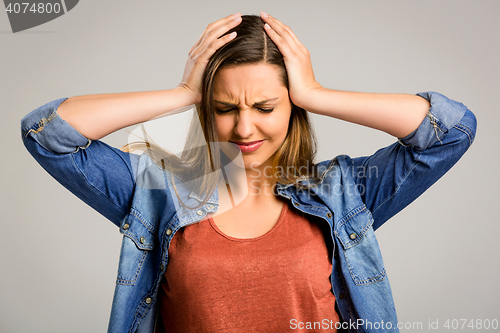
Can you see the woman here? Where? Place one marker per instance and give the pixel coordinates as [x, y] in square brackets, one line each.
[274, 241]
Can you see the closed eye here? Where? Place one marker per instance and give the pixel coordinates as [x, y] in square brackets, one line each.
[257, 105]
[266, 110]
[223, 111]
[219, 111]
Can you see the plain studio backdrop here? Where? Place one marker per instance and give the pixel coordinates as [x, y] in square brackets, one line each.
[59, 258]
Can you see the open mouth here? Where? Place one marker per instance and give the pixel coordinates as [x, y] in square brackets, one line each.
[248, 147]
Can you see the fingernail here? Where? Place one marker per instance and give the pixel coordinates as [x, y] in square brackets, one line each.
[235, 16]
[267, 26]
[264, 14]
[232, 34]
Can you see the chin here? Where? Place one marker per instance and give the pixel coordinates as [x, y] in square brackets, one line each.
[231, 155]
[247, 164]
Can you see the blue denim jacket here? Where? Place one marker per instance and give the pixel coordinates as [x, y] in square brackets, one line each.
[355, 196]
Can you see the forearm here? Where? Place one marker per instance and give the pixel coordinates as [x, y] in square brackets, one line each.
[395, 114]
[96, 116]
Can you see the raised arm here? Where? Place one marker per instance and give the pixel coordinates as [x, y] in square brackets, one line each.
[62, 135]
[433, 131]
[96, 116]
[396, 114]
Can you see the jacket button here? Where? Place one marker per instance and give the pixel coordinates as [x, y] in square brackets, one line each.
[211, 207]
[148, 300]
[353, 236]
[142, 240]
[168, 232]
[125, 226]
[200, 212]
[297, 204]
[342, 296]
[329, 215]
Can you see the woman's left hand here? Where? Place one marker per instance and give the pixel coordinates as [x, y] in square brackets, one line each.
[297, 61]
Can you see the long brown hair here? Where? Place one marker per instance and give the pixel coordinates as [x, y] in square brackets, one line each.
[202, 156]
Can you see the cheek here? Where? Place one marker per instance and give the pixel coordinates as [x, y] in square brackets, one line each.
[282, 127]
[276, 127]
[221, 127]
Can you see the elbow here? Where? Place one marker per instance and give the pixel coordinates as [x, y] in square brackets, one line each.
[468, 125]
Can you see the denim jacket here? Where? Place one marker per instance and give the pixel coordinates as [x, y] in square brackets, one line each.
[354, 196]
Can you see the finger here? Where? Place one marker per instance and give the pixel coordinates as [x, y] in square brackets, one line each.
[214, 33]
[210, 48]
[282, 45]
[282, 29]
[211, 43]
[215, 28]
[214, 24]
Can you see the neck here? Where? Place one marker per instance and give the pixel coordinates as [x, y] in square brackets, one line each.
[252, 183]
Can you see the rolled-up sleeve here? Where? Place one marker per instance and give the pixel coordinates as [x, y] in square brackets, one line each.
[50, 131]
[100, 175]
[443, 114]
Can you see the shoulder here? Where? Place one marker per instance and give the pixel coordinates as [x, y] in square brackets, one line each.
[339, 165]
[327, 172]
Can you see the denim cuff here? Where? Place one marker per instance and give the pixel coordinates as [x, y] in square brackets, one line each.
[443, 114]
[52, 132]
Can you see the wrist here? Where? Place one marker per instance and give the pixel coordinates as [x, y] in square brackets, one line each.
[187, 96]
[312, 97]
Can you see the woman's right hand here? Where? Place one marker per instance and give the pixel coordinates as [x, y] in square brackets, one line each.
[96, 116]
[209, 42]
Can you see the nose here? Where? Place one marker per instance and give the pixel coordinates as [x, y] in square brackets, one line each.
[244, 124]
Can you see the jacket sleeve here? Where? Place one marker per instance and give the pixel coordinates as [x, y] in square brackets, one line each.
[394, 176]
[100, 175]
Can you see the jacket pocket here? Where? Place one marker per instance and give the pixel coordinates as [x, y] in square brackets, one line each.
[360, 247]
[138, 241]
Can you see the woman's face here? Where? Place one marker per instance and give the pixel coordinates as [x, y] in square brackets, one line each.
[252, 112]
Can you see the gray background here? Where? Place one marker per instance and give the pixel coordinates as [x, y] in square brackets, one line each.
[59, 258]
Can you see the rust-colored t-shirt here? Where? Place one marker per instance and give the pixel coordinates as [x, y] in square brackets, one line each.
[277, 282]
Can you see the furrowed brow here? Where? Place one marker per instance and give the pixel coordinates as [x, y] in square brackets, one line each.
[257, 103]
[267, 100]
[226, 104]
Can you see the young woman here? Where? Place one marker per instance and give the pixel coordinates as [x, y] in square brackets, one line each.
[248, 233]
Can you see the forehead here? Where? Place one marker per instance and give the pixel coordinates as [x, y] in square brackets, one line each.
[249, 80]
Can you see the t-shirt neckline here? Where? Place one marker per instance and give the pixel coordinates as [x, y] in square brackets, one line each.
[284, 209]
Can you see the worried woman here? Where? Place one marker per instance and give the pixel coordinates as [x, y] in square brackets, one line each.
[246, 231]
